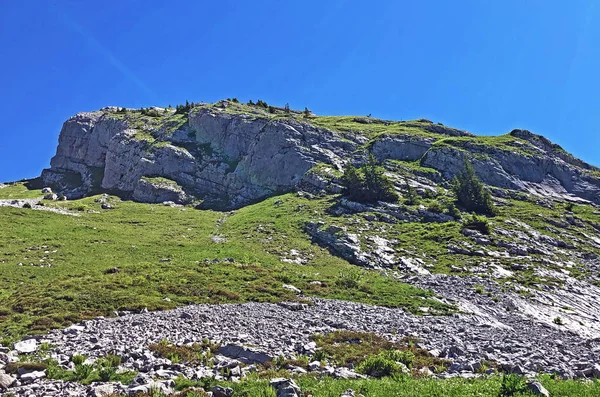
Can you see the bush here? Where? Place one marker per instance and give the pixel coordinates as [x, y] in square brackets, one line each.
[78, 359]
[470, 192]
[477, 222]
[405, 357]
[453, 211]
[435, 207]
[368, 184]
[512, 385]
[107, 373]
[379, 366]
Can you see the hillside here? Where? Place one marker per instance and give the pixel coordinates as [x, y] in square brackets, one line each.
[233, 220]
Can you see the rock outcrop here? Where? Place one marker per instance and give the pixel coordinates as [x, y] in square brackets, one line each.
[230, 158]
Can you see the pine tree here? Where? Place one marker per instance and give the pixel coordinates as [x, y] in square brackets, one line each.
[353, 183]
[471, 193]
[368, 184]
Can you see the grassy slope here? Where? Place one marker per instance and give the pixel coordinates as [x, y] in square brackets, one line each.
[414, 387]
[170, 252]
[167, 252]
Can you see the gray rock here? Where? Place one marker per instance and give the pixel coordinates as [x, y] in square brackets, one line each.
[245, 354]
[6, 381]
[285, 387]
[537, 389]
[31, 376]
[26, 346]
[220, 391]
[102, 390]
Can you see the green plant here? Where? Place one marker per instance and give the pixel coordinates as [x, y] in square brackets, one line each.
[368, 183]
[477, 222]
[435, 207]
[379, 366]
[471, 193]
[453, 211]
[405, 357]
[558, 321]
[320, 355]
[83, 371]
[78, 359]
[511, 385]
[349, 279]
[106, 373]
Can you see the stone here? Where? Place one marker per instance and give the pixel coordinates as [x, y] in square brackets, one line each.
[103, 390]
[537, 389]
[245, 354]
[31, 376]
[596, 371]
[26, 346]
[47, 190]
[292, 288]
[220, 391]
[51, 196]
[345, 373]
[285, 387]
[6, 381]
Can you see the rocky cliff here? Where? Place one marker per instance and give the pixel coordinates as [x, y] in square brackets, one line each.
[229, 154]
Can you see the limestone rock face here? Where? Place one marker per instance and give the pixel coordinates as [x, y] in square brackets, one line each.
[152, 191]
[401, 148]
[233, 158]
[230, 159]
[544, 174]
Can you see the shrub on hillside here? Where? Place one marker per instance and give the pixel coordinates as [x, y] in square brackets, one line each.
[477, 222]
[471, 193]
[368, 183]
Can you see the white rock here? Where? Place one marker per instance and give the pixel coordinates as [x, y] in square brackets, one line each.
[26, 346]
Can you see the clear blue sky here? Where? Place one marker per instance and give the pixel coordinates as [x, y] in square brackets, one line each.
[484, 66]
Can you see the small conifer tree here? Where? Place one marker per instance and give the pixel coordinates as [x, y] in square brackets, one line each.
[471, 193]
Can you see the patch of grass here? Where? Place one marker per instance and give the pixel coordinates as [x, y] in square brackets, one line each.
[194, 354]
[350, 347]
[81, 251]
[19, 190]
[405, 386]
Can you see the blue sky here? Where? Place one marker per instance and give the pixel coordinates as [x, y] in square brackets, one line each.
[483, 66]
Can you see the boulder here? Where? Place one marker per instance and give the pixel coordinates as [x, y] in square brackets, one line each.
[158, 190]
[6, 381]
[285, 387]
[26, 346]
[537, 389]
[245, 354]
[220, 391]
